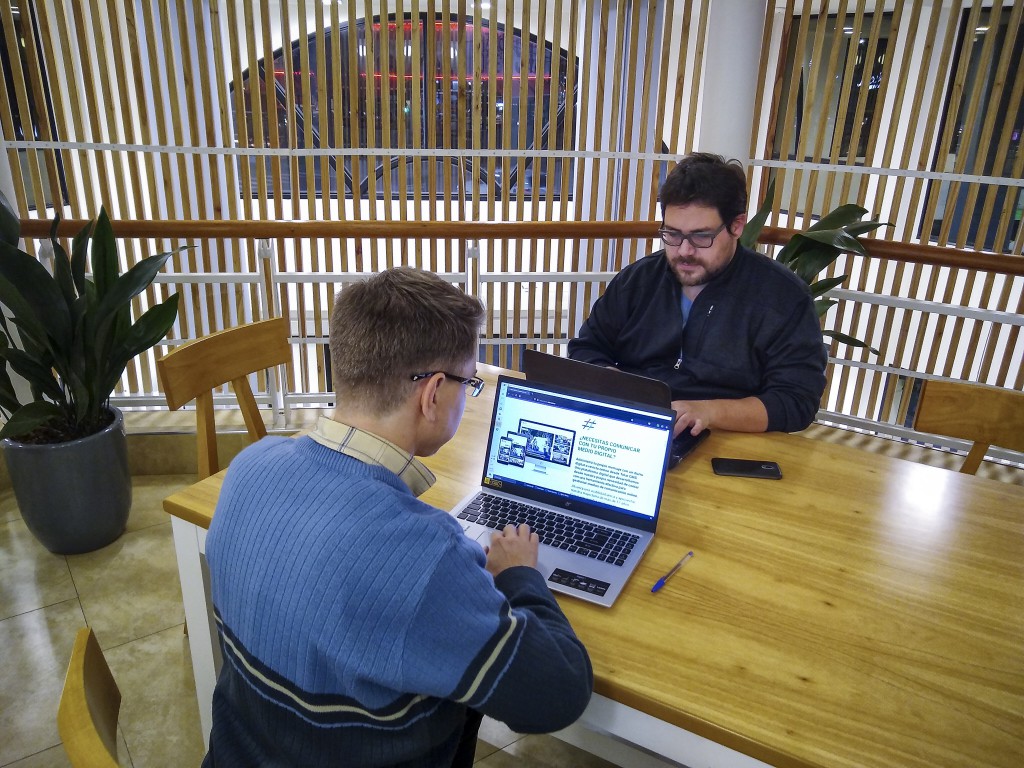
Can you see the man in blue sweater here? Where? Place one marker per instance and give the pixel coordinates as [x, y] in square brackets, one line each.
[358, 625]
[732, 332]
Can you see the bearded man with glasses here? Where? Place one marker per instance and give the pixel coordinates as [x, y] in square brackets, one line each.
[358, 624]
[732, 332]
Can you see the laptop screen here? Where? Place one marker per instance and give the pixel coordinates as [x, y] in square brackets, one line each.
[587, 453]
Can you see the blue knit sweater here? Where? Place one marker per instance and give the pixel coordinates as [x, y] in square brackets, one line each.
[358, 623]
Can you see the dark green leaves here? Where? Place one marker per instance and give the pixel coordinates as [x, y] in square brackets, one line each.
[74, 335]
[814, 250]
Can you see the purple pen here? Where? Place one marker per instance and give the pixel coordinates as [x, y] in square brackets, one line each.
[661, 582]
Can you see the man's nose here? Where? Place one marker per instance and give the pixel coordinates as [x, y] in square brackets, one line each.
[686, 248]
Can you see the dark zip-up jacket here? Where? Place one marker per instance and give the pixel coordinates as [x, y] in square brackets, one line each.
[752, 331]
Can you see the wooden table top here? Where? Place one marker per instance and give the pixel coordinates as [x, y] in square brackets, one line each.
[861, 611]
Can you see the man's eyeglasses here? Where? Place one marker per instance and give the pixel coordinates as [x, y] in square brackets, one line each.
[473, 385]
[674, 237]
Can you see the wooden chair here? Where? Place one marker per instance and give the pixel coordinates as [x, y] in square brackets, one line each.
[987, 415]
[89, 704]
[194, 370]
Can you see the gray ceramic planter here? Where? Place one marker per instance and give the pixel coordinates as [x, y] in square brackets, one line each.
[74, 496]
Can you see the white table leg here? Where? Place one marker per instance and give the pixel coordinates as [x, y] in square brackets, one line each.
[189, 544]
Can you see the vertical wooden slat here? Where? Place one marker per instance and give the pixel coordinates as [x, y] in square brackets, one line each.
[960, 165]
[418, 31]
[494, 95]
[181, 191]
[988, 135]
[19, 77]
[821, 129]
[536, 245]
[400, 116]
[644, 196]
[160, 166]
[863, 93]
[613, 118]
[261, 109]
[682, 56]
[525, 25]
[371, 131]
[551, 323]
[445, 140]
[954, 99]
[857, 310]
[387, 158]
[241, 119]
[791, 103]
[497, 293]
[53, 29]
[135, 199]
[230, 251]
[476, 115]
[34, 83]
[104, 102]
[13, 159]
[987, 138]
[629, 168]
[521, 256]
[907, 348]
[358, 131]
[844, 103]
[564, 306]
[972, 97]
[433, 73]
[586, 169]
[322, 249]
[879, 318]
[696, 77]
[190, 94]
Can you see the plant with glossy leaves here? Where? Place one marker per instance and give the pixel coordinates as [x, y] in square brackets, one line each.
[810, 252]
[74, 334]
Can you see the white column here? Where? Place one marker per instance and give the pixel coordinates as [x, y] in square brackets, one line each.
[732, 53]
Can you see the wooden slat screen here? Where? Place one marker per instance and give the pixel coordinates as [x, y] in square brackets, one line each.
[528, 110]
[912, 110]
[155, 90]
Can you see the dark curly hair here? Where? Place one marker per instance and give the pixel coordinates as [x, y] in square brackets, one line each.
[707, 179]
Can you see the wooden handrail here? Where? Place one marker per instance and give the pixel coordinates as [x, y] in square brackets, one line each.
[489, 230]
[456, 230]
[915, 253]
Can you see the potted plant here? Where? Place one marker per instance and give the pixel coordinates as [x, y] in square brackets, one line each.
[69, 336]
[810, 252]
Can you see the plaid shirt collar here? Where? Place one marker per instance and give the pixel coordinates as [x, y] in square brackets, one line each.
[370, 449]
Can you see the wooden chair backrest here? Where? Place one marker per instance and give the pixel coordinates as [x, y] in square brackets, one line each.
[194, 370]
[987, 415]
[89, 705]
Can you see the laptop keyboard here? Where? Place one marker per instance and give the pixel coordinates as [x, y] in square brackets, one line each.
[554, 529]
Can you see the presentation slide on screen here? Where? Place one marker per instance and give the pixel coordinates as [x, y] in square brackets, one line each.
[596, 457]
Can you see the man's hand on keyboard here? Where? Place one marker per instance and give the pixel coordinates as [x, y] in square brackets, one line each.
[511, 547]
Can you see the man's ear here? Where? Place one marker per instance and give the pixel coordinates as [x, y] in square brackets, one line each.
[428, 396]
[736, 228]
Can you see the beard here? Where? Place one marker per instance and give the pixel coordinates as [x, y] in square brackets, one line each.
[700, 276]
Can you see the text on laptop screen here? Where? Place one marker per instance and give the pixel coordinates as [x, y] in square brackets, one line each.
[576, 448]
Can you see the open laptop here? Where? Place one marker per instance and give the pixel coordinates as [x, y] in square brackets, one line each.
[585, 471]
[553, 369]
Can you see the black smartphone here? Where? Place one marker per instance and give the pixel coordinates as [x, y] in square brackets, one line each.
[767, 470]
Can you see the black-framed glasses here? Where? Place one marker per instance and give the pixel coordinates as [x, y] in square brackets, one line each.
[674, 237]
[473, 385]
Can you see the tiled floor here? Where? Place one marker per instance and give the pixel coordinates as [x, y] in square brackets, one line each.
[128, 592]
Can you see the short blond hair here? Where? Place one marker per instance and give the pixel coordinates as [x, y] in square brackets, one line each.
[397, 323]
